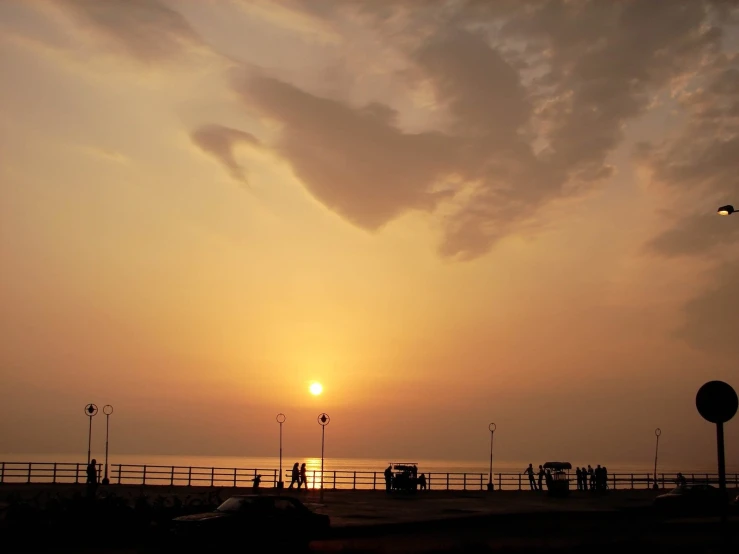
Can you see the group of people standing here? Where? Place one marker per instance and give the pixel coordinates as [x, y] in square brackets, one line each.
[542, 474]
[587, 478]
[593, 479]
[299, 476]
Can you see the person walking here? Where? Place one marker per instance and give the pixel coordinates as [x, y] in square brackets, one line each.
[303, 478]
[295, 476]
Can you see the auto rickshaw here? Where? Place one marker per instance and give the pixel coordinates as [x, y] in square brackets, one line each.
[405, 477]
[558, 483]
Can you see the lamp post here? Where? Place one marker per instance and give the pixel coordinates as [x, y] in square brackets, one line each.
[726, 210]
[657, 433]
[107, 410]
[323, 420]
[90, 411]
[490, 474]
[280, 419]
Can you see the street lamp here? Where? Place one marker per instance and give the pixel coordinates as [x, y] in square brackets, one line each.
[726, 210]
[107, 410]
[657, 433]
[490, 478]
[90, 411]
[280, 419]
[323, 420]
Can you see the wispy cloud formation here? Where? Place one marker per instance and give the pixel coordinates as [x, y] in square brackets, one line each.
[148, 30]
[219, 142]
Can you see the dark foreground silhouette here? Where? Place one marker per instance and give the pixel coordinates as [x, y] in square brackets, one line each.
[141, 523]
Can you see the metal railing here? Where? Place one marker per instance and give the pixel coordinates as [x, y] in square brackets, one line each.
[126, 474]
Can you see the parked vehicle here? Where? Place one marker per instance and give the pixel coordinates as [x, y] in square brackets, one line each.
[691, 499]
[279, 520]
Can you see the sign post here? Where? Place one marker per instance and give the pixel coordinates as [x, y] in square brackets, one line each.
[90, 411]
[717, 403]
[323, 420]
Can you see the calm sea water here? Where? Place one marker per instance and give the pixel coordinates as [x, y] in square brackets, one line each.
[343, 464]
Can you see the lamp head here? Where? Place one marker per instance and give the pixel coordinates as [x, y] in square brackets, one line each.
[726, 210]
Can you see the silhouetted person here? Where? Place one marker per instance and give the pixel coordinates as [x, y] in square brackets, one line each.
[92, 478]
[579, 478]
[422, 482]
[541, 476]
[295, 476]
[389, 478]
[591, 475]
[530, 472]
[303, 478]
[605, 478]
[681, 480]
[257, 480]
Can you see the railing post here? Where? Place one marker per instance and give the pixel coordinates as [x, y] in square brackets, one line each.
[274, 478]
[519, 481]
[499, 481]
[171, 477]
[663, 480]
[119, 474]
[632, 481]
[334, 479]
[53, 476]
[76, 473]
[189, 476]
[447, 481]
[614, 481]
[464, 481]
[374, 480]
[234, 477]
[2, 473]
[30, 466]
[491, 478]
[213, 475]
[314, 479]
[143, 481]
[354, 484]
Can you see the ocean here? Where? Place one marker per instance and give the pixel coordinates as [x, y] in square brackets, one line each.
[347, 464]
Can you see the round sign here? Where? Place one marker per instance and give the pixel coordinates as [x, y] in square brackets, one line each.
[91, 410]
[323, 420]
[107, 409]
[280, 418]
[492, 427]
[716, 402]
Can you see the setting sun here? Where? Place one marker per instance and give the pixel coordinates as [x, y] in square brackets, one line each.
[316, 389]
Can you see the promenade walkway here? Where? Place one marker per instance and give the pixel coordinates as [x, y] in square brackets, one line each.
[349, 508]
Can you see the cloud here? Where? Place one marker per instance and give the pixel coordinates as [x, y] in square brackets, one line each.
[537, 95]
[713, 316]
[219, 141]
[356, 161]
[698, 166]
[147, 30]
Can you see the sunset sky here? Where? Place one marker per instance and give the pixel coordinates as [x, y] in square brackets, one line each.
[446, 212]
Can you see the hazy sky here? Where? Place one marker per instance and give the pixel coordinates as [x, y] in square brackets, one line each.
[447, 212]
